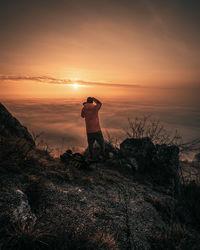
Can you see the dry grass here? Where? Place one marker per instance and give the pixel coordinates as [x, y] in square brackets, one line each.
[191, 198]
[176, 237]
[74, 235]
[30, 235]
[69, 232]
[164, 208]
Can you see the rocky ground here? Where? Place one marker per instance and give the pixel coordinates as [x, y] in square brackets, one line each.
[136, 199]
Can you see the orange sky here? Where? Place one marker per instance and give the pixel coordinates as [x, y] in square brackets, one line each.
[146, 44]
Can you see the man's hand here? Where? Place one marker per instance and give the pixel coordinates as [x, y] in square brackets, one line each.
[96, 101]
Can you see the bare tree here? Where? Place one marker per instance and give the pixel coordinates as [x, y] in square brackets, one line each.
[112, 140]
[146, 126]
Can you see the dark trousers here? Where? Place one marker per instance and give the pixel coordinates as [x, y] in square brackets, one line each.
[92, 137]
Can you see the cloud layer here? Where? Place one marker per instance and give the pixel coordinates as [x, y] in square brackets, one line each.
[52, 80]
[63, 127]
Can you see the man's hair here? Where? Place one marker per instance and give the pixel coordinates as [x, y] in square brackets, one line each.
[90, 100]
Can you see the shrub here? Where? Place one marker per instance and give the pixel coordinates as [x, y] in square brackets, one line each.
[84, 239]
[71, 236]
[29, 235]
[14, 154]
[146, 126]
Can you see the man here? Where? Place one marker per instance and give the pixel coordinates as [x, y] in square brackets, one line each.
[90, 113]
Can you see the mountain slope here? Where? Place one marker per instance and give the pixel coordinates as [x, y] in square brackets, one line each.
[48, 204]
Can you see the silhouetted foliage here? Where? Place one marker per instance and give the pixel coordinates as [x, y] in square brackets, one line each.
[146, 126]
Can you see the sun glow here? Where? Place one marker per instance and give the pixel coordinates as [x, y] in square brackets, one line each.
[75, 85]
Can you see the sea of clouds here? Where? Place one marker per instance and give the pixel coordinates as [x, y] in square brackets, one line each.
[62, 127]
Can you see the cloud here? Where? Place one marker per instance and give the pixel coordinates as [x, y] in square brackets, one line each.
[61, 121]
[52, 80]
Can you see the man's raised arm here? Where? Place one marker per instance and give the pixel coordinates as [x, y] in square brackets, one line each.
[82, 113]
[98, 103]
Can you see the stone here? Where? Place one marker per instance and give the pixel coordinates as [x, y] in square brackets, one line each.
[166, 164]
[167, 157]
[139, 149]
[110, 155]
[10, 127]
[132, 161]
[21, 208]
[161, 162]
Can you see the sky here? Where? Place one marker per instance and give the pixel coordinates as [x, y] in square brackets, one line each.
[144, 52]
[147, 43]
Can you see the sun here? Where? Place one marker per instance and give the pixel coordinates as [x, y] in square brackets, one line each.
[75, 85]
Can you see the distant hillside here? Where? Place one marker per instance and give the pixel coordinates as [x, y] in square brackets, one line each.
[136, 199]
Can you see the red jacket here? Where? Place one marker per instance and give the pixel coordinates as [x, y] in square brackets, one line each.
[90, 113]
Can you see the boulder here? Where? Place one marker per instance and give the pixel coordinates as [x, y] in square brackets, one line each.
[10, 127]
[130, 163]
[167, 157]
[160, 162]
[21, 208]
[165, 166]
[139, 149]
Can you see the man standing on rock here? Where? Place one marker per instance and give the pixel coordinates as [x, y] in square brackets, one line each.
[93, 129]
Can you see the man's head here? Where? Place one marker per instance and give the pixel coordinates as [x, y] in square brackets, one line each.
[89, 100]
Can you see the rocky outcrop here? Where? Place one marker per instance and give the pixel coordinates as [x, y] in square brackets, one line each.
[165, 163]
[159, 161]
[10, 127]
[124, 209]
[140, 149]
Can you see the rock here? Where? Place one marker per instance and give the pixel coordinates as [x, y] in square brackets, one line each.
[165, 166]
[161, 162]
[130, 163]
[166, 158]
[21, 208]
[110, 155]
[136, 147]
[10, 127]
[133, 163]
[167, 153]
[139, 149]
